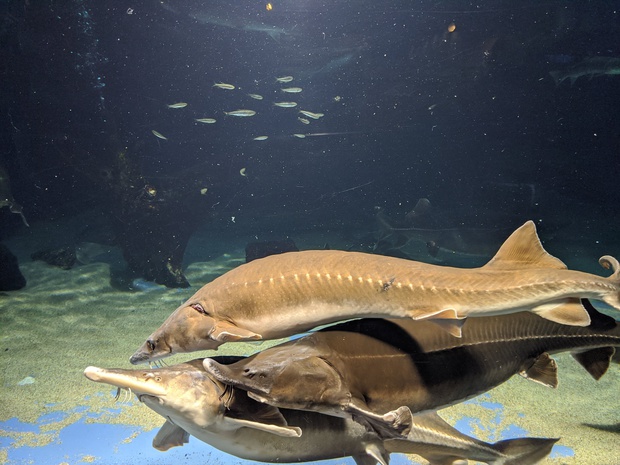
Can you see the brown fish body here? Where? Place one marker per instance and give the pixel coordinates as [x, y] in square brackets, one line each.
[377, 366]
[193, 403]
[282, 295]
[323, 286]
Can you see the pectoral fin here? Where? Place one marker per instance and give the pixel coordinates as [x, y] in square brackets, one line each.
[544, 371]
[248, 409]
[228, 332]
[394, 424]
[170, 435]
[284, 431]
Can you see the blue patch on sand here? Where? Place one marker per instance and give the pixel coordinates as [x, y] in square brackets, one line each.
[111, 444]
[468, 425]
[561, 451]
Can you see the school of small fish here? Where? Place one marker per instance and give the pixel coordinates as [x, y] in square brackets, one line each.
[303, 116]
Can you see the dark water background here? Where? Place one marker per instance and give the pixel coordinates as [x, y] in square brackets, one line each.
[470, 119]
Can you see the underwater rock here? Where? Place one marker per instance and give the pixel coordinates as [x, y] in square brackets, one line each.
[263, 249]
[11, 278]
[153, 249]
[152, 224]
[126, 280]
[63, 257]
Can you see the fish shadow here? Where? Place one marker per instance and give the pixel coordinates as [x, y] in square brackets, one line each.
[608, 428]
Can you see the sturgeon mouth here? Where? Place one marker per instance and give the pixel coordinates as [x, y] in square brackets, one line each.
[151, 351]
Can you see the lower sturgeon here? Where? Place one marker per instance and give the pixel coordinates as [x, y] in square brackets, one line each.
[196, 404]
[282, 295]
[369, 369]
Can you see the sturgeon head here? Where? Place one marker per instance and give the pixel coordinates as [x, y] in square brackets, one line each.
[194, 403]
[296, 375]
[192, 326]
[180, 391]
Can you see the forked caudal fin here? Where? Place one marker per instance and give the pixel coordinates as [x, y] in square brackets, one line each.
[441, 444]
[523, 451]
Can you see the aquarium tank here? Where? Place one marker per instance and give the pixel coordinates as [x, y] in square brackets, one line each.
[290, 231]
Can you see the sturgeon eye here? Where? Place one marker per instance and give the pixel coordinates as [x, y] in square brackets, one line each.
[151, 345]
[199, 308]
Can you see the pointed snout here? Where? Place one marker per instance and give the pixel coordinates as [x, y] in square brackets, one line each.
[154, 348]
[139, 381]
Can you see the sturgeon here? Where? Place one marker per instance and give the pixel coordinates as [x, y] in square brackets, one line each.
[224, 417]
[282, 295]
[369, 369]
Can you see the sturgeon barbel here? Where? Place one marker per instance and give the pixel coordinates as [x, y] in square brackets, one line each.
[282, 295]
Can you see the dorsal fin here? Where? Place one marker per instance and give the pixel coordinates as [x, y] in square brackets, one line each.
[524, 250]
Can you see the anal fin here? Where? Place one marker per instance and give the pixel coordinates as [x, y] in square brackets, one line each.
[595, 361]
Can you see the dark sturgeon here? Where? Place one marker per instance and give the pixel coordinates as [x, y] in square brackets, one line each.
[282, 295]
[368, 369]
[226, 418]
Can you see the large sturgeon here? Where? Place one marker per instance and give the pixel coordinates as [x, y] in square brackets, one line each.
[369, 369]
[226, 418]
[282, 295]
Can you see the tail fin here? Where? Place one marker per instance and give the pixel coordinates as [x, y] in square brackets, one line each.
[523, 451]
[557, 77]
[441, 444]
[609, 262]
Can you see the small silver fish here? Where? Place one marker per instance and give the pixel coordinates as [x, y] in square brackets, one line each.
[159, 135]
[261, 138]
[177, 105]
[223, 85]
[309, 114]
[256, 96]
[240, 113]
[285, 104]
[205, 120]
[299, 136]
[292, 90]
[304, 120]
[285, 79]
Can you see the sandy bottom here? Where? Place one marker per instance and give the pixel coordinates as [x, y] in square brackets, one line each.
[64, 321]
